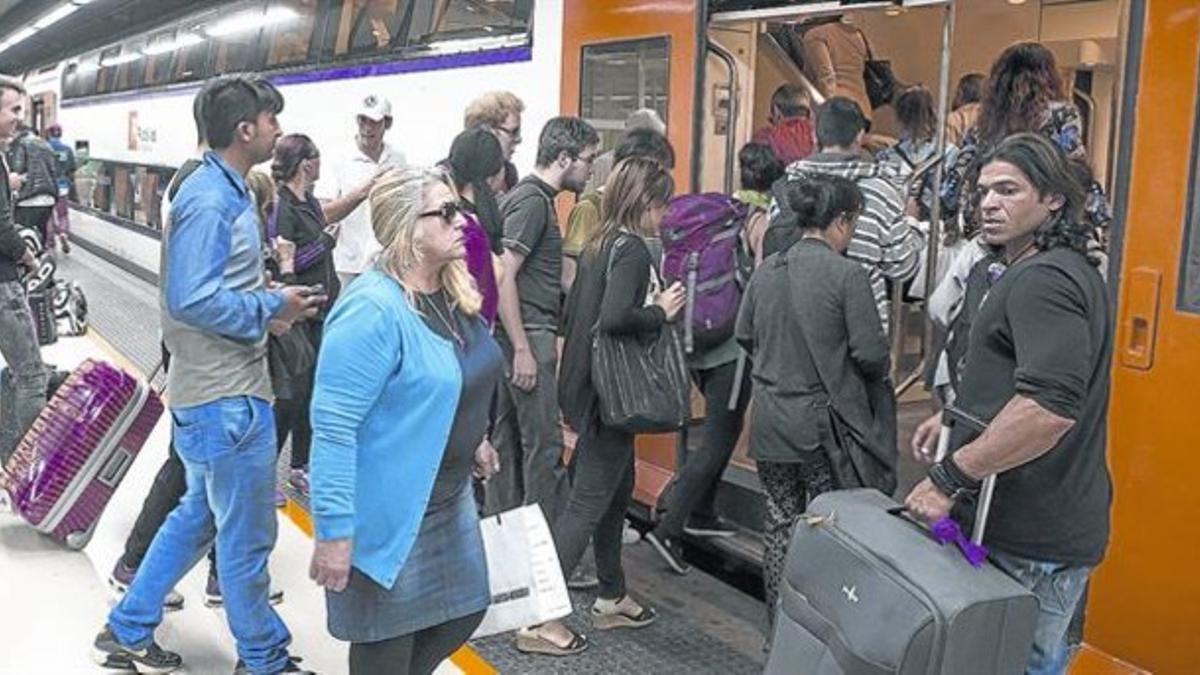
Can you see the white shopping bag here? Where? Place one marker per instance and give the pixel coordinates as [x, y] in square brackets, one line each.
[524, 574]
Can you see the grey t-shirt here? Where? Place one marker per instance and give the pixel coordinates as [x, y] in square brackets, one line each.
[531, 229]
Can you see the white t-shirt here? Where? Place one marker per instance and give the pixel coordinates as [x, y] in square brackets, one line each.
[356, 244]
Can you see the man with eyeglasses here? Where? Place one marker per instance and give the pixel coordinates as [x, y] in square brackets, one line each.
[500, 112]
[527, 432]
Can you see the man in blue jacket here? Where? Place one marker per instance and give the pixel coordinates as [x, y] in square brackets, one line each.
[215, 313]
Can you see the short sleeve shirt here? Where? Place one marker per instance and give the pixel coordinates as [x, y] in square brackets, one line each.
[531, 229]
[356, 244]
[1042, 332]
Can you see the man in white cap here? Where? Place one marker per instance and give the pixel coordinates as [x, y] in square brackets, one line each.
[343, 197]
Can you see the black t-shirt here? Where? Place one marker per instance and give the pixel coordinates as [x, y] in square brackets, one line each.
[301, 221]
[531, 229]
[1043, 332]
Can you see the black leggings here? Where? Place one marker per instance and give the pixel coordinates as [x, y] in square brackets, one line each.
[416, 653]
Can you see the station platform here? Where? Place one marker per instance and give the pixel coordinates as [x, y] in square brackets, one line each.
[55, 600]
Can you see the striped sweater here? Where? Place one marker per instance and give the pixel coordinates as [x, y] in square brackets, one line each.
[886, 242]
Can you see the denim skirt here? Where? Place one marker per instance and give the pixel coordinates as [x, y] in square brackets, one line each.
[444, 578]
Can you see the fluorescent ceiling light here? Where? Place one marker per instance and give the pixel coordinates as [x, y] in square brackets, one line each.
[247, 21]
[19, 36]
[184, 40]
[118, 60]
[55, 16]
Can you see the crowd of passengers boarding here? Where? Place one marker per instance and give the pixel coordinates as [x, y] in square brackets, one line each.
[401, 325]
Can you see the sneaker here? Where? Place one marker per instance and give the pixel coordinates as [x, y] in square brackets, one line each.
[66, 244]
[630, 535]
[582, 581]
[298, 479]
[122, 576]
[108, 653]
[213, 599]
[714, 526]
[670, 551]
[291, 667]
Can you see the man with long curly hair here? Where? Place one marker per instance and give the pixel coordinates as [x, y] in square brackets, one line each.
[1032, 405]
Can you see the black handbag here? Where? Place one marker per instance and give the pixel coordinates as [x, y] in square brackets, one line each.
[641, 381]
[878, 77]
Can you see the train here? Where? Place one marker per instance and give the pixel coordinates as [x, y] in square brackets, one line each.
[708, 67]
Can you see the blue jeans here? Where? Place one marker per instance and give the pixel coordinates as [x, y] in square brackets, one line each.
[1058, 589]
[228, 452]
[23, 356]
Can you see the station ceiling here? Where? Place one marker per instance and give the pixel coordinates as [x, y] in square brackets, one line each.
[94, 25]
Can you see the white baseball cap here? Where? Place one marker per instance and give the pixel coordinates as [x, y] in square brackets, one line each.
[375, 107]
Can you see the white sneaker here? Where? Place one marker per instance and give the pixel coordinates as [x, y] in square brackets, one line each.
[630, 535]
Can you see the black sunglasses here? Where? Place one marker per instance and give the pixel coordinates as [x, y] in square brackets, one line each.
[446, 211]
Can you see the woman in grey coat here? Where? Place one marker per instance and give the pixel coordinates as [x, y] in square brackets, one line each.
[823, 416]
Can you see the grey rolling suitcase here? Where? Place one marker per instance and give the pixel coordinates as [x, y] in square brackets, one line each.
[866, 592]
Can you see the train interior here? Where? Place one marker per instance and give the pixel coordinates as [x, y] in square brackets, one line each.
[1086, 37]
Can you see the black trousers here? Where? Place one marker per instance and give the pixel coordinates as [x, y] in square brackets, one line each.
[695, 489]
[291, 414]
[790, 487]
[416, 653]
[168, 488]
[601, 490]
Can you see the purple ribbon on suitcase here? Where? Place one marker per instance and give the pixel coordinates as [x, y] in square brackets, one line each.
[70, 462]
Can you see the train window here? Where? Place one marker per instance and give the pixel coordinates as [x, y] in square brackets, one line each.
[471, 18]
[235, 44]
[107, 78]
[374, 26]
[189, 61]
[160, 50]
[1189, 291]
[291, 42]
[133, 69]
[79, 78]
[619, 78]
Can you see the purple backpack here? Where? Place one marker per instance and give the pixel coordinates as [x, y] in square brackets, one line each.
[703, 249]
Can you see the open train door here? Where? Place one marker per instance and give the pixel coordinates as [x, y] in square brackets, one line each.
[1144, 605]
[620, 56]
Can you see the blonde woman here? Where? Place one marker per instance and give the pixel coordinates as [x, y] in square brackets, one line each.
[405, 376]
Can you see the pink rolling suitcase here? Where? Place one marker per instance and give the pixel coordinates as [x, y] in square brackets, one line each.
[68, 465]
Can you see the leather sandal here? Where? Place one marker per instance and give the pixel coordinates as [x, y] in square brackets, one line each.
[529, 641]
[622, 619]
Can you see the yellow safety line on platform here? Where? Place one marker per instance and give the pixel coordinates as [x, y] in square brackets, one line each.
[466, 659]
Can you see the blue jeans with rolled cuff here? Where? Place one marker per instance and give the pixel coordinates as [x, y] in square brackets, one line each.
[228, 452]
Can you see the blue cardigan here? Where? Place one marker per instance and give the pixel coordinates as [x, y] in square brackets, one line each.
[386, 392]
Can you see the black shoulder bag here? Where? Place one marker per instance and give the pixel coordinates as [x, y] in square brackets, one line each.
[642, 384]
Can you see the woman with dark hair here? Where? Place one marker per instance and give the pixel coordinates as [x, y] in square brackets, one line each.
[615, 292]
[476, 165]
[298, 219]
[1024, 93]
[918, 144]
[820, 357]
[966, 107]
[759, 168]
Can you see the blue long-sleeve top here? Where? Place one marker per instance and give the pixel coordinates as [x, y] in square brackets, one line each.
[386, 392]
[214, 300]
[214, 256]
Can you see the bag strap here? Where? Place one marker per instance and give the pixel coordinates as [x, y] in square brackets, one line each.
[866, 43]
